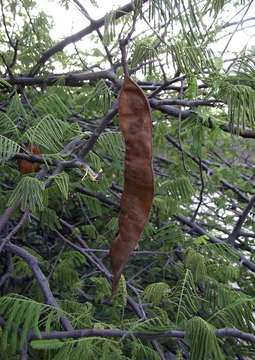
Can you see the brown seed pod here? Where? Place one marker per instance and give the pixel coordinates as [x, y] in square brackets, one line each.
[136, 201]
[25, 166]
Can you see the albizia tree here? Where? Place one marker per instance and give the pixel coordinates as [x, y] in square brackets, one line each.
[187, 291]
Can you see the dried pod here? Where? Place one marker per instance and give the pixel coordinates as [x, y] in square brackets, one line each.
[136, 126]
[25, 166]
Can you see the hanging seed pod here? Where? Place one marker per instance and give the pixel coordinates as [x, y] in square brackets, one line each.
[136, 126]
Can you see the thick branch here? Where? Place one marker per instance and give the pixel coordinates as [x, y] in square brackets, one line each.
[68, 79]
[116, 333]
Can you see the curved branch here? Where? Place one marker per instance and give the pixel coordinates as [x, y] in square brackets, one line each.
[40, 277]
[77, 36]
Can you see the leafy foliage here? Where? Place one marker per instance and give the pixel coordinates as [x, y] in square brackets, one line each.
[200, 332]
[8, 148]
[28, 315]
[29, 193]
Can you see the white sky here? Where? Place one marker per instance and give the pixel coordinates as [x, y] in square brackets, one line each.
[70, 21]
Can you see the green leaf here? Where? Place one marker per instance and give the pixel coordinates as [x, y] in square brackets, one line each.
[30, 193]
[8, 149]
[53, 344]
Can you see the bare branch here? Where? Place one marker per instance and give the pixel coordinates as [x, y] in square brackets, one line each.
[86, 14]
[40, 278]
[148, 335]
[16, 229]
[77, 36]
[236, 230]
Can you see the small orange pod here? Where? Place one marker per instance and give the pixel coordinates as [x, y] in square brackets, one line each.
[25, 166]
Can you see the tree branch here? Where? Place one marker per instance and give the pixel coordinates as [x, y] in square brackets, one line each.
[68, 79]
[236, 230]
[207, 169]
[77, 36]
[213, 239]
[40, 277]
[93, 138]
[148, 335]
[199, 230]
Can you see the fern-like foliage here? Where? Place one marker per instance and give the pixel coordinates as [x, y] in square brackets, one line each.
[166, 206]
[8, 148]
[49, 219]
[66, 272]
[111, 144]
[219, 295]
[184, 297]
[90, 347]
[53, 105]
[169, 235]
[203, 341]
[240, 100]
[179, 189]
[156, 293]
[109, 27]
[26, 314]
[224, 272]
[92, 204]
[120, 298]
[81, 313]
[100, 96]
[7, 126]
[103, 288]
[190, 58]
[222, 251]
[196, 263]
[192, 87]
[29, 192]
[16, 110]
[141, 352]
[144, 51]
[94, 160]
[62, 181]
[157, 323]
[238, 314]
[50, 133]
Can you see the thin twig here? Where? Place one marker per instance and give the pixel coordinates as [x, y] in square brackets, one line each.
[201, 190]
